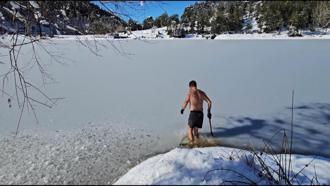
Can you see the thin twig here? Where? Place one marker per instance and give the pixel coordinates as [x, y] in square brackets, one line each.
[291, 131]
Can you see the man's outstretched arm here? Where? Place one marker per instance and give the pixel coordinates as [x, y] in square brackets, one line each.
[209, 104]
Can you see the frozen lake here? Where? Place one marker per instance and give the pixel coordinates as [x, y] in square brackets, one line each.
[143, 86]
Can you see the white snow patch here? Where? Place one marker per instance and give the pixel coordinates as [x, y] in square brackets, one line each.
[71, 28]
[218, 165]
[14, 5]
[37, 15]
[15, 13]
[63, 12]
[150, 33]
[8, 10]
[44, 22]
[34, 4]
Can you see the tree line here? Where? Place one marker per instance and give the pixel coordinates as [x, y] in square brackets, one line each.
[244, 16]
[149, 22]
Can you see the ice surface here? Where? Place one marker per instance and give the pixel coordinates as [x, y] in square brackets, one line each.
[220, 165]
[144, 83]
[249, 82]
[93, 155]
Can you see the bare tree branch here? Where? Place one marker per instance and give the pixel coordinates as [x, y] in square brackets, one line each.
[25, 88]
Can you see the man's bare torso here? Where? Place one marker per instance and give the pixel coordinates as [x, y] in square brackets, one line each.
[196, 98]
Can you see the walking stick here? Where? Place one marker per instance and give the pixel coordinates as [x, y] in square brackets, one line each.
[211, 127]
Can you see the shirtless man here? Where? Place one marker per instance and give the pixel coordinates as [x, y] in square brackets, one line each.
[195, 99]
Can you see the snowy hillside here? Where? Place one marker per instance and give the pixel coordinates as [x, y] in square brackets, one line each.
[202, 20]
[56, 17]
[220, 165]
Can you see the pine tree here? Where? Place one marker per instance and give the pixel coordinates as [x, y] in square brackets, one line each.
[133, 25]
[219, 24]
[148, 23]
[175, 18]
[235, 17]
[272, 18]
[321, 14]
[162, 20]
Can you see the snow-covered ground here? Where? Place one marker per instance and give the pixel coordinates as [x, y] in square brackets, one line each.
[221, 165]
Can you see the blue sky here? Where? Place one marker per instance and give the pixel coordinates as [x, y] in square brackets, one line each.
[139, 10]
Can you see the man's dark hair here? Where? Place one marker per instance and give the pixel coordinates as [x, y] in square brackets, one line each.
[192, 83]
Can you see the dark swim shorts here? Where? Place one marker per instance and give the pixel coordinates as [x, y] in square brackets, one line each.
[195, 119]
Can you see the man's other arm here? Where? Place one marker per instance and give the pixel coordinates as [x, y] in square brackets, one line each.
[185, 103]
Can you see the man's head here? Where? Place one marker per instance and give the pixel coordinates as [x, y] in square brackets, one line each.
[192, 84]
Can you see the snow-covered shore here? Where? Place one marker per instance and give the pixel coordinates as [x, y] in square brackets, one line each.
[161, 34]
[221, 165]
[199, 37]
[255, 36]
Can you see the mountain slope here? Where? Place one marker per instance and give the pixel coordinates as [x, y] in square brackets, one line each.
[255, 16]
[56, 17]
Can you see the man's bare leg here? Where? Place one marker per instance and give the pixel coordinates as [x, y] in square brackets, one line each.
[196, 134]
[190, 135]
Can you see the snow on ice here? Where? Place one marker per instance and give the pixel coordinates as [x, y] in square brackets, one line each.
[94, 155]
